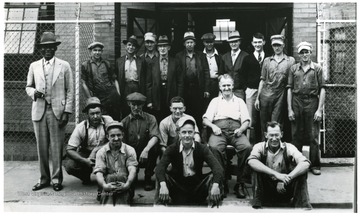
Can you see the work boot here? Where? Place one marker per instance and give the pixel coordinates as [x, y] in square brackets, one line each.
[240, 190]
[148, 184]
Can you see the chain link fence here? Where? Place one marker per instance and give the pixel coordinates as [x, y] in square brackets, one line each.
[338, 54]
[20, 51]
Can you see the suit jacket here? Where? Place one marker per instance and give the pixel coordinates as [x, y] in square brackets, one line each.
[201, 153]
[252, 70]
[62, 90]
[218, 60]
[236, 71]
[141, 70]
[153, 82]
[202, 70]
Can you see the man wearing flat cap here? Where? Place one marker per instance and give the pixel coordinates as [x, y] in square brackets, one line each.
[87, 138]
[185, 184]
[50, 86]
[213, 59]
[142, 133]
[99, 79]
[116, 167]
[306, 98]
[270, 99]
[195, 75]
[131, 71]
[233, 63]
[164, 81]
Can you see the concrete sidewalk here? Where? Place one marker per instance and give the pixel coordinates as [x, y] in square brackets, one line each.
[333, 189]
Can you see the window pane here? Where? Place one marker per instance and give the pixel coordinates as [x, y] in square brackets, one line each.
[12, 40]
[27, 42]
[30, 14]
[15, 14]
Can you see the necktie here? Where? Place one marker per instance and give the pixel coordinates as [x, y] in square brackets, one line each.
[259, 58]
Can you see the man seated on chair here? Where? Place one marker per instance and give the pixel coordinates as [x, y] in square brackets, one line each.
[228, 117]
[185, 184]
[281, 171]
[86, 139]
[116, 167]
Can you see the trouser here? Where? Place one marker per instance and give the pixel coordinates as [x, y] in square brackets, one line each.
[251, 95]
[111, 102]
[266, 193]
[78, 169]
[304, 130]
[49, 135]
[271, 109]
[194, 101]
[150, 164]
[187, 190]
[240, 93]
[117, 197]
[241, 145]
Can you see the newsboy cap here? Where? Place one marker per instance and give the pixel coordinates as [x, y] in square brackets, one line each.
[150, 37]
[234, 36]
[114, 124]
[189, 35]
[95, 44]
[208, 37]
[136, 96]
[184, 120]
[48, 38]
[131, 39]
[277, 39]
[304, 45]
[92, 101]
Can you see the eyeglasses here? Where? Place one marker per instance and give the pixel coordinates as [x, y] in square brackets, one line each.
[304, 52]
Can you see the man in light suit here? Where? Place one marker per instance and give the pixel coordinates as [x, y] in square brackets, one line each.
[50, 86]
[233, 64]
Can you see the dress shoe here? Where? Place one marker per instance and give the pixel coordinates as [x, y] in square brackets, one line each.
[57, 187]
[240, 191]
[39, 186]
[316, 171]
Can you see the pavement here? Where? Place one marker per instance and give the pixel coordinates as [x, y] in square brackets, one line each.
[333, 190]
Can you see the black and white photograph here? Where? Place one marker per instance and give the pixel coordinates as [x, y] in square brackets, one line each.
[205, 107]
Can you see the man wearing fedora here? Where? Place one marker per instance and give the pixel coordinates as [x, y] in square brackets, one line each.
[164, 82]
[86, 139]
[131, 72]
[99, 79]
[142, 133]
[270, 99]
[306, 98]
[196, 77]
[233, 63]
[50, 86]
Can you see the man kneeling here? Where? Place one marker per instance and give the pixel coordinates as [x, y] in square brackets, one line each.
[185, 184]
[281, 171]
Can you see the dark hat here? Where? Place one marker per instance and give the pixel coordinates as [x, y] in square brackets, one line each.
[184, 120]
[208, 37]
[92, 101]
[95, 44]
[113, 124]
[163, 40]
[189, 35]
[234, 36]
[131, 39]
[48, 38]
[135, 96]
[277, 39]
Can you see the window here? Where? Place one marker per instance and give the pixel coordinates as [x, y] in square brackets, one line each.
[20, 37]
[223, 28]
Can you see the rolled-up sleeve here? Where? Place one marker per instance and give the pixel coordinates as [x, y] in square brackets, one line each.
[131, 159]
[153, 128]
[100, 163]
[297, 156]
[256, 152]
[244, 113]
[210, 112]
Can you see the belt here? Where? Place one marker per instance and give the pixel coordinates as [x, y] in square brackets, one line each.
[304, 95]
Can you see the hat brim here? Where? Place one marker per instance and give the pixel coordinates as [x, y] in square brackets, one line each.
[114, 126]
[234, 39]
[94, 46]
[163, 43]
[49, 43]
[304, 47]
[187, 38]
[277, 42]
[87, 107]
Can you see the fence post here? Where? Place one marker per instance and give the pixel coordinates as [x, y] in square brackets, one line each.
[77, 58]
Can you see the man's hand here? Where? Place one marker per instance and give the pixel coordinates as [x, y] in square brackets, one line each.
[108, 187]
[257, 104]
[121, 187]
[206, 95]
[63, 120]
[283, 178]
[144, 156]
[150, 105]
[238, 132]
[38, 94]
[291, 115]
[280, 187]
[317, 115]
[88, 162]
[215, 196]
[164, 193]
[216, 130]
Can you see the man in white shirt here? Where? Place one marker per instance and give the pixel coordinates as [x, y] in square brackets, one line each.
[228, 117]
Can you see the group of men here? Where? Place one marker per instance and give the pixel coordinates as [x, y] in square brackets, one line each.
[223, 94]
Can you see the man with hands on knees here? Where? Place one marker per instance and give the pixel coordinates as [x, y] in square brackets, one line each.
[281, 171]
[116, 167]
[185, 184]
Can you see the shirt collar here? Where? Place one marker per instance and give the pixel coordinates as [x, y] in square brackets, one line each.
[107, 147]
[213, 54]
[156, 54]
[127, 57]
[162, 57]
[181, 147]
[93, 61]
[284, 57]
[232, 98]
[237, 52]
[312, 66]
[282, 146]
[256, 54]
[141, 115]
[51, 61]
